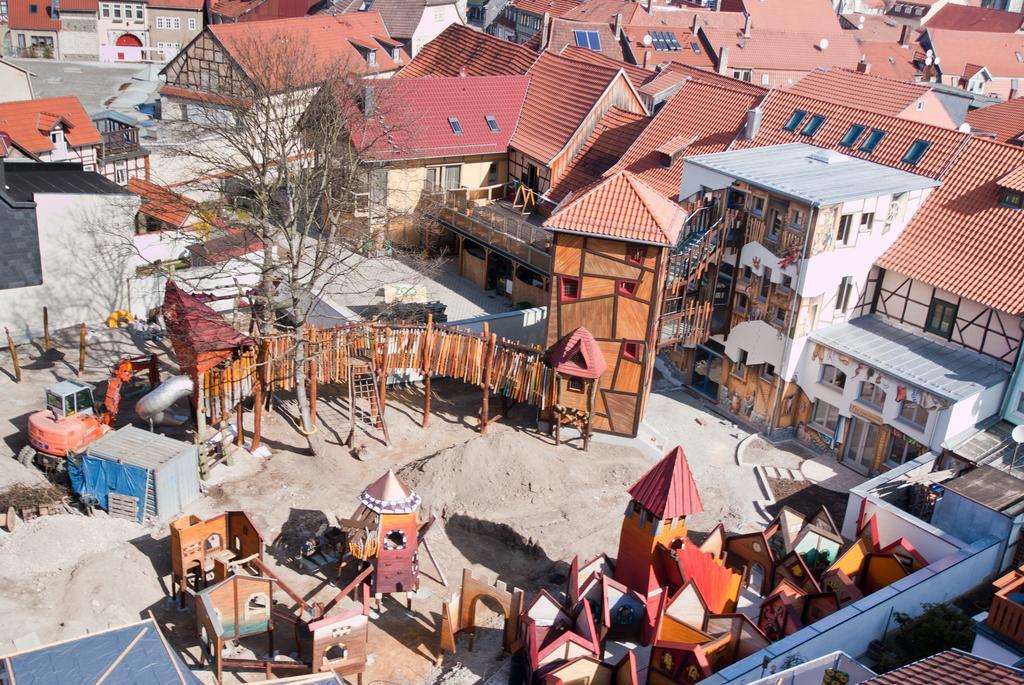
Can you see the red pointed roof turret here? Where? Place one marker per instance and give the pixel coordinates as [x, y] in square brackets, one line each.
[389, 495]
[577, 355]
[668, 490]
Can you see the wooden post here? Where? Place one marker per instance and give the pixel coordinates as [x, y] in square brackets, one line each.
[257, 396]
[81, 349]
[46, 329]
[312, 391]
[240, 433]
[485, 406]
[14, 356]
[556, 418]
[200, 425]
[589, 430]
[428, 353]
[382, 369]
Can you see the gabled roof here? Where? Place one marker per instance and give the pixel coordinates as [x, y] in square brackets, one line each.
[890, 60]
[968, 18]
[400, 16]
[413, 117]
[327, 38]
[690, 50]
[951, 666]
[195, 329]
[578, 355]
[711, 113]
[900, 134]
[29, 122]
[637, 75]
[389, 495]
[562, 94]
[20, 15]
[864, 91]
[997, 52]
[621, 206]
[259, 10]
[127, 654]
[668, 490]
[1005, 120]
[611, 137]
[812, 16]
[875, 27]
[461, 50]
[962, 240]
[563, 34]
[161, 203]
[782, 50]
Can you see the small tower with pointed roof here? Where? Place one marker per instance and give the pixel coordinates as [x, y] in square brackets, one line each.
[660, 502]
[578, 365]
[384, 531]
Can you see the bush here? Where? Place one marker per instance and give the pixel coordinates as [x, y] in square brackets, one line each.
[938, 628]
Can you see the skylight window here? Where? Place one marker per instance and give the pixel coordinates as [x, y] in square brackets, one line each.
[872, 141]
[916, 152]
[590, 40]
[795, 120]
[695, 46]
[812, 126]
[852, 135]
[492, 123]
[456, 126]
[1019, 56]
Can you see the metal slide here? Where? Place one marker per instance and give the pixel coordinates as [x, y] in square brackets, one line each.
[154, 406]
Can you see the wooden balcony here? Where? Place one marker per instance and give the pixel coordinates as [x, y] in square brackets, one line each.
[483, 215]
[1006, 615]
[689, 327]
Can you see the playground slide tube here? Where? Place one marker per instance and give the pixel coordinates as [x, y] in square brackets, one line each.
[154, 405]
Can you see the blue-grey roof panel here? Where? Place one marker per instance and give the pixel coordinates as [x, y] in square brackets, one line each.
[951, 372]
[811, 174]
[144, 660]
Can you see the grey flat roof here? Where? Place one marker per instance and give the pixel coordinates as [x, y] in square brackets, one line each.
[138, 447]
[990, 487]
[26, 179]
[812, 174]
[949, 372]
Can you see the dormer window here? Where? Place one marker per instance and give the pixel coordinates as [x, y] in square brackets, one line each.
[492, 123]
[795, 120]
[371, 58]
[1013, 199]
[57, 137]
[396, 54]
[916, 152]
[456, 126]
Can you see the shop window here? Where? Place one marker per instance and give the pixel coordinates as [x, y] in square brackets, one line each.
[631, 350]
[941, 317]
[628, 287]
[570, 288]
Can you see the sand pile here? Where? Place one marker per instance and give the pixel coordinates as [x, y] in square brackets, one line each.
[530, 494]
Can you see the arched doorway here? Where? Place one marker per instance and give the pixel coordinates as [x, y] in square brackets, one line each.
[127, 40]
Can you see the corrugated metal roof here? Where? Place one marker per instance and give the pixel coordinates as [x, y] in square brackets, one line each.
[808, 173]
[950, 372]
[137, 447]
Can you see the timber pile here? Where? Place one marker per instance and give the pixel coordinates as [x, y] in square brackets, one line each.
[30, 501]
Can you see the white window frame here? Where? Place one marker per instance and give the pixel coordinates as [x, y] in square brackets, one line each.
[831, 416]
[192, 24]
[915, 411]
[175, 23]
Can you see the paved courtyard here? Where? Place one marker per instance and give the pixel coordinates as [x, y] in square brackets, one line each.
[94, 83]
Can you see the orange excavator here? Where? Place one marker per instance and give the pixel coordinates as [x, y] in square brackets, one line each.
[72, 420]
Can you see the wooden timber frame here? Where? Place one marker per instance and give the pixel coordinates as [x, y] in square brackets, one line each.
[515, 372]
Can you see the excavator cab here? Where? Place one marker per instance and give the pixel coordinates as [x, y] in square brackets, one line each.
[70, 398]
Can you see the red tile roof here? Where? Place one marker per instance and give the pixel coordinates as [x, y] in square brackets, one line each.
[1005, 120]
[900, 134]
[637, 75]
[890, 60]
[562, 93]
[864, 91]
[80, 5]
[967, 18]
[673, 74]
[196, 330]
[555, 8]
[1013, 180]
[563, 35]
[20, 16]
[621, 206]
[260, 10]
[605, 10]
[876, 27]
[780, 50]
[578, 355]
[952, 667]
[460, 48]
[961, 240]
[412, 119]
[29, 122]
[162, 204]
[712, 111]
[995, 51]
[195, 5]
[687, 55]
[811, 16]
[716, 584]
[610, 139]
[668, 489]
[328, 39]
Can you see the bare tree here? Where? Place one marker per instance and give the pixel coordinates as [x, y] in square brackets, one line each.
[282, 152]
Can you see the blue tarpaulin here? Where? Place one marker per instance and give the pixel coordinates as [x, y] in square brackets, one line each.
[99, 478]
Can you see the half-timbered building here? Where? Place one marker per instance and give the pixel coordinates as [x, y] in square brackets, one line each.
[121, 157]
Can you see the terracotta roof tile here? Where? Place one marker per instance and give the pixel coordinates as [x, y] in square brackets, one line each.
[327, 38]
[562, 93]
[400, 16]
[162, 204]
[668, 489]
[711, 112]
[259, 10]
[687, 54]
[1013, 180]
[82, 5]
[637, 75]
[995, 51]
[611, 137]
[812, 16]
[673, 74]
[621, 206]
[555, 8]
[890, 60]
[563, 35]
[416, 112]
[967, 18]
[28, 123]
[578, 355]
[782, 50]
[195, 5]
[962, 240]
[864, 91]
[21, 16]
[875, 27]
[951, 667]
[605, 10]
[460, 47]
[900, 134]
[1005, 120]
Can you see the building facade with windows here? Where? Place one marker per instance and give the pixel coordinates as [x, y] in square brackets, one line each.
[174, 23]
[123, 32]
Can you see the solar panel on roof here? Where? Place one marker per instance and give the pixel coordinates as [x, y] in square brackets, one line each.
[588, 39]
[673, 42]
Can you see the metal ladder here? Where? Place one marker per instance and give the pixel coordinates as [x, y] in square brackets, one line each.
[364, 399]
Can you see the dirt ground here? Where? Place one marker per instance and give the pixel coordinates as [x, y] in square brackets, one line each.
[511, 506]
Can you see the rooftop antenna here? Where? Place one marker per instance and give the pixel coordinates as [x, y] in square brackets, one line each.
[1018, 437]
[647, 40]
